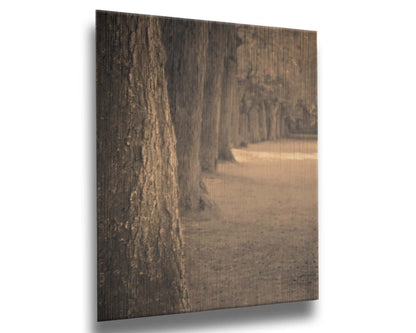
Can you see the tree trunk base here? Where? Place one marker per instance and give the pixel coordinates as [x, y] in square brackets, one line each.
[226, 155]
[205, 203]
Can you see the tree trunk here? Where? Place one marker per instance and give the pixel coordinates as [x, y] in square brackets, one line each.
[278, 126]
[243, 130]
[262, 122]
[140, 268]
[228, 120]
[272, 122]
[186, 44]
[235, 118]
[212, 97]
[253, 124]
[282, 122]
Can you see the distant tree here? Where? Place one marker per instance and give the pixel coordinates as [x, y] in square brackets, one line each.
[213, 85]
[186, 44]
[229, 109]
[276, 64]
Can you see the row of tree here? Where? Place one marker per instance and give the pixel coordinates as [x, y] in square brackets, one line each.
[173, 97]
[277, 83]
[230, 85]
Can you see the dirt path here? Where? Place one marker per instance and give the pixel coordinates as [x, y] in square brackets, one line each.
[259, 245]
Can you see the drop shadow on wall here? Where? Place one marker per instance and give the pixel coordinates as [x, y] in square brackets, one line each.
[190, 321]
[253, 316]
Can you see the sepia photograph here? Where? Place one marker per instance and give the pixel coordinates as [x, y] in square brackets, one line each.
[207, 165]
[211, 166]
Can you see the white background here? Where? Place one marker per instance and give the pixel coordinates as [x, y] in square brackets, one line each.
[367, 99]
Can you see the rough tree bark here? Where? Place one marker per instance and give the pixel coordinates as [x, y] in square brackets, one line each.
[186, 44]
[228, 120]
[212, 97]
[140, 267]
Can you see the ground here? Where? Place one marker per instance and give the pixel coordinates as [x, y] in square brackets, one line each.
[258, 245]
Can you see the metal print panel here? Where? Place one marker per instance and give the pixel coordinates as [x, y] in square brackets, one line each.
[206, 165]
